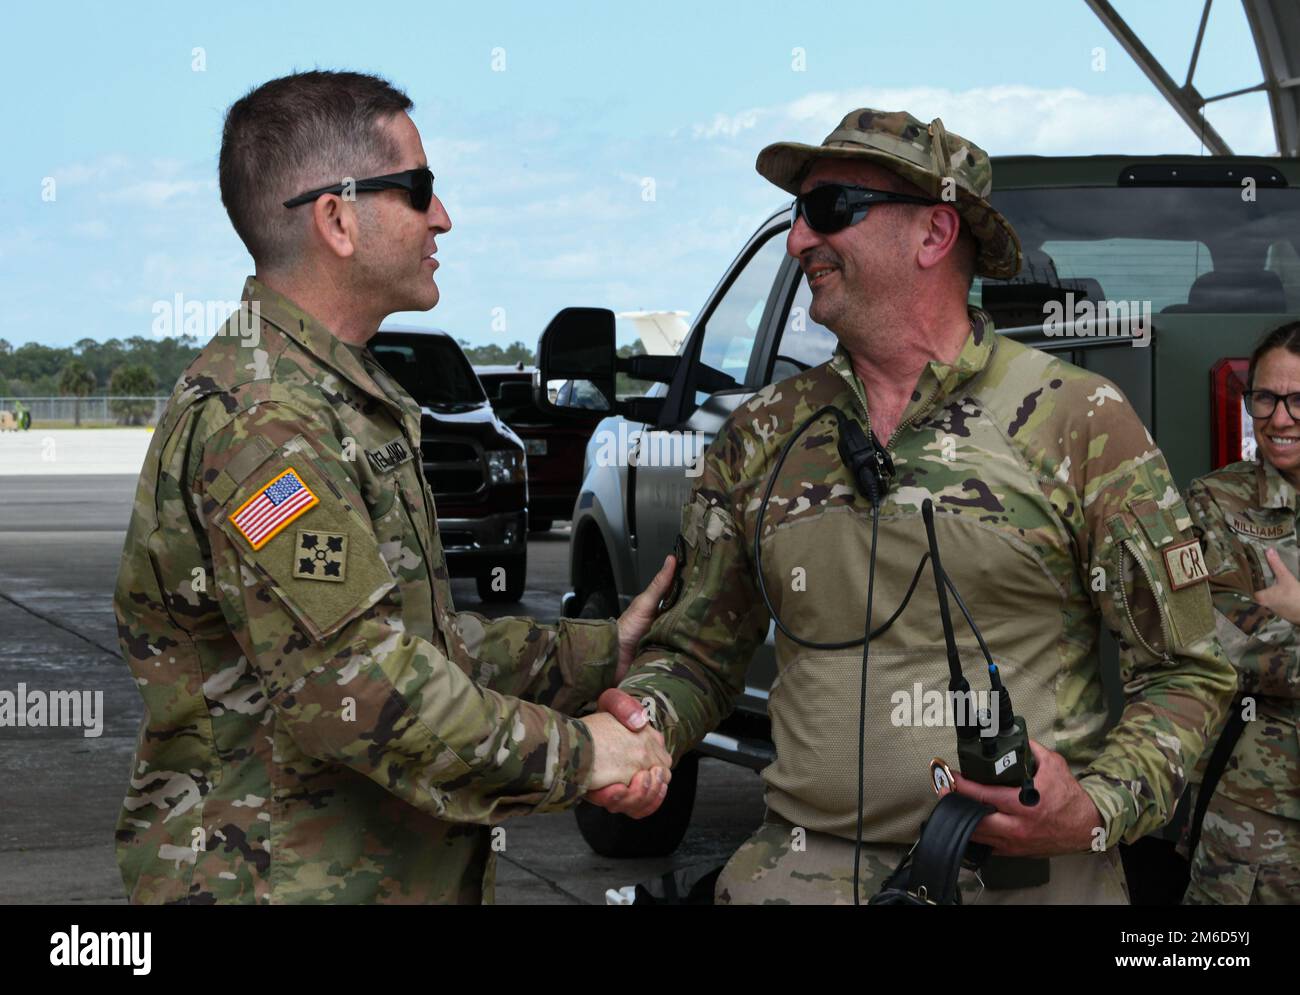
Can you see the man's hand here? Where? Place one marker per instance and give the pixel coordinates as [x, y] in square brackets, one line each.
[1283, 598]
[635, 622]
[649, 787]
[620, 755]
[1064, 820]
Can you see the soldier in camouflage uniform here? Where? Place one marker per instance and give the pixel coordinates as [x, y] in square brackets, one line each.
[1245, 513]
[321, 724]
[1055, 511]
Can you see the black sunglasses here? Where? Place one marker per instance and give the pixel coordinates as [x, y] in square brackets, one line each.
[834, 206]
[417, 182]
[1262, 403]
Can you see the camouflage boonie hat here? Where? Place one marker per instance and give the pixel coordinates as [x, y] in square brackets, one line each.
[922, 154]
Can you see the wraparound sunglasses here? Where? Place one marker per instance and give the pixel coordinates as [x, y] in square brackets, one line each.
[416, 182]
[833, 207]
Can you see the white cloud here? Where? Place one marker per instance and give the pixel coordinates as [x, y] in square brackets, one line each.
[159, 193]
[1007, 120]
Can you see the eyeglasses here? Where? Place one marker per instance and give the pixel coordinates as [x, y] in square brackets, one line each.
[1262, 403]
[417, 182]
[834, 206]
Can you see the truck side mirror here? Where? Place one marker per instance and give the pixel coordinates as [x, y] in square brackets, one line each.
[577, 362]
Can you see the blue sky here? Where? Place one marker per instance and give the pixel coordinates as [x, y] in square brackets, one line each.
[542, 166]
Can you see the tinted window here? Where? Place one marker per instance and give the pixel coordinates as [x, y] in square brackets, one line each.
[733, 325]
[431, 368]
[803, 341]
[1182, 249]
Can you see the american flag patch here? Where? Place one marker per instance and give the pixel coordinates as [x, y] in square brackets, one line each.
[261, 518]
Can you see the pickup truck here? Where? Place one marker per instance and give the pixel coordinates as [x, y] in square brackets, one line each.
[555, 445]
[474, 463]
[1159, 273]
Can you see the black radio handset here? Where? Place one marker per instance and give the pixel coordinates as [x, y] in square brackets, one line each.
[990, 750]
[866, 459]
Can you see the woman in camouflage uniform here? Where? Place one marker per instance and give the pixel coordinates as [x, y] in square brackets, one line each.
[1249, 850]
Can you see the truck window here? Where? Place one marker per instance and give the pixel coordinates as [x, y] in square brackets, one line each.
[431, 368]
[1175, 249]
[803, 342]
[733, 325]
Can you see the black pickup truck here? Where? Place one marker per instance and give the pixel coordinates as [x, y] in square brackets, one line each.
[474, 463]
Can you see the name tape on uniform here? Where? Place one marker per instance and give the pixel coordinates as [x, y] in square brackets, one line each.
[282, 500]
[1244, 526]
[389, 456]
[1185, 564]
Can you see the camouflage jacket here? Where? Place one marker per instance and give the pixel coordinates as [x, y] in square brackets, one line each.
[1054, 511]
[321, 725]
[1240, 511]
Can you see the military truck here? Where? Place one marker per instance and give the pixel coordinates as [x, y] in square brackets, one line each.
[1159, 273]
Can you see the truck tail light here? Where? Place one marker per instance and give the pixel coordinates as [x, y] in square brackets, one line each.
[1232, 433]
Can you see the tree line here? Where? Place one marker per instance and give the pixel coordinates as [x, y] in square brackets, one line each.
[141, 366]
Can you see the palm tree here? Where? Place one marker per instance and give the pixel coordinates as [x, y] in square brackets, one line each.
[78, 382]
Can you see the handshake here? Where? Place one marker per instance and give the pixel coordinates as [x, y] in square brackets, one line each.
[632, 767]
[631, 770]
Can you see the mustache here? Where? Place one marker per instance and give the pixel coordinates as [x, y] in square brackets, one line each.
[819, 256]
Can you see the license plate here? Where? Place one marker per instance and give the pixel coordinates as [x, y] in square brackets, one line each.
[535, 447]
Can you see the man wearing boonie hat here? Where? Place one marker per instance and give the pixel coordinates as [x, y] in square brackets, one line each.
[1055, 513]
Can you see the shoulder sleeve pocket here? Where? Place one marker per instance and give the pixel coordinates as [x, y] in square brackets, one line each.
[313, 550]
[1162, 584]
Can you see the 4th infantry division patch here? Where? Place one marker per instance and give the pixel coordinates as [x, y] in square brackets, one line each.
[270, 510]
[320, 555]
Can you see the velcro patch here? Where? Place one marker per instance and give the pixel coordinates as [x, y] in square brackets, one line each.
[1185, 564]
[320, 556]
[1244, 526]
[273, 507]
[389, 456]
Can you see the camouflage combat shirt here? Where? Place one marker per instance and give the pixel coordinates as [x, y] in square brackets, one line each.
[320, 724]
[1054, 511]
[1241, 511]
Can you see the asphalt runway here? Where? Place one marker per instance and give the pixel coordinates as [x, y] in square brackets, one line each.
[61, 538]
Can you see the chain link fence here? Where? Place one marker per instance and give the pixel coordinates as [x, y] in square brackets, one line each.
[93, 411]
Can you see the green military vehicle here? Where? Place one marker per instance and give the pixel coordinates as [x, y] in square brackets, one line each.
[1159, 273]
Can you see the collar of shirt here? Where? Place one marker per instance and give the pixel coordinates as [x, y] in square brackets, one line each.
[1275, 491]
[346, 360]
[938, 379]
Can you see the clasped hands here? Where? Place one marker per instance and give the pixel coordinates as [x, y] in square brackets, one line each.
[632, 768]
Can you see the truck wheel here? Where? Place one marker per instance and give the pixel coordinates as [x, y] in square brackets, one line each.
[656, 835]
[599, 603]
[516, 572]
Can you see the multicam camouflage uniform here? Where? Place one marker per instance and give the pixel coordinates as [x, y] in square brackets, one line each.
[1054, 511]
[1250, 839]
[321, 724]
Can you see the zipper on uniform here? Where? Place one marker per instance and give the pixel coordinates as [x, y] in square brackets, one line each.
[1126, 550]
[857, 392]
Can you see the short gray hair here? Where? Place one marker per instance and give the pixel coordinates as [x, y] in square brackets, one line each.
[294, 134]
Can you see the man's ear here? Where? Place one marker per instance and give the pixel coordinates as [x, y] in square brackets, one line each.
[942, 230]
[335, 223]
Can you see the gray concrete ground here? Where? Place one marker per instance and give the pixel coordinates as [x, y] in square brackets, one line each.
[60, 540]
[47, 452]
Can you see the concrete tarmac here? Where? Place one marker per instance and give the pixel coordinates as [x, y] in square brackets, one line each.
[61, 538]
